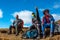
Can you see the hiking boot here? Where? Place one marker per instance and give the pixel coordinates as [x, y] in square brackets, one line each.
[24, 37]
[38, 37]
[43, 36]
[51, 34]
[17, 34]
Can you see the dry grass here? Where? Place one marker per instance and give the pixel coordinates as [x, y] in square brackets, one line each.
[5, 36]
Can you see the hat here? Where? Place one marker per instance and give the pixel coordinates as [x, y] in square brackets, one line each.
[46, 10]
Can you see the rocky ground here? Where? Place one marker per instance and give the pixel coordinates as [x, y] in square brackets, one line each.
[4, 36]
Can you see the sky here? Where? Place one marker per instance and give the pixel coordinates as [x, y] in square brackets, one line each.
[24, 8]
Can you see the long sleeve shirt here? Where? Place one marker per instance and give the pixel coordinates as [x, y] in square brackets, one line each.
[47, 19]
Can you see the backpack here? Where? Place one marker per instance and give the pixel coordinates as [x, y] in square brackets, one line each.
[31, 33]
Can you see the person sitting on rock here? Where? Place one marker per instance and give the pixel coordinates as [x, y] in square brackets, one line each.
[47, 21]
[17, 25]
[32, 31]
[35, 24]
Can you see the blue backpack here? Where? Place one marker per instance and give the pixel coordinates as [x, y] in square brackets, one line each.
[31, 33]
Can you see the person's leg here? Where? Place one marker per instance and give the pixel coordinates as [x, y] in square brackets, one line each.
[28, 34]
[16, 27]
[31, 27]
[43, 30]
[10, 29]
[38, 29]
[22, 30]
[51, 29]
[19, 29]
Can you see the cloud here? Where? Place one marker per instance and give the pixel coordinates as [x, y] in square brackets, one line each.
[12, 20]
[25, 15]
[56, 17]
[1, 13]
[56, 6]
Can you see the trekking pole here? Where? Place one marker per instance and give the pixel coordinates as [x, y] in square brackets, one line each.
[37, 15]
[39, 22]
[38, 18]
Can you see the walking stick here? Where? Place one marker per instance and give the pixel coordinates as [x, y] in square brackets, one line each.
[37, 16]
[39, 21]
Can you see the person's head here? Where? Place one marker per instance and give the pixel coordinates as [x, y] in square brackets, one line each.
[33, 14]
[17, 17]
[46, 12]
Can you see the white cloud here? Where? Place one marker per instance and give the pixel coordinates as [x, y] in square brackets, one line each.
[24, 15]
[56, 6]
[56, 17]
[12, 20]
[1, 13]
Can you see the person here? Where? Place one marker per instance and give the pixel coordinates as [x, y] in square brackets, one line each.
[35, 22]
[47, 21]
[33, 31]
[59, 27]
[17, 25]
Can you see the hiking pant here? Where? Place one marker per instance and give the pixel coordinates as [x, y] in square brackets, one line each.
[37, 26]
[10, 29]
[18, 29]
[51, 25]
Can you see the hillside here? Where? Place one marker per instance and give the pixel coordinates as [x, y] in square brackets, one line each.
[4, 36]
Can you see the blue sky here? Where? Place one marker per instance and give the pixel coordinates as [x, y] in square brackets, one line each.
[10, 8]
